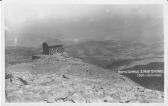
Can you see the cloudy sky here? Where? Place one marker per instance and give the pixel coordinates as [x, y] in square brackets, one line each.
[30, 23]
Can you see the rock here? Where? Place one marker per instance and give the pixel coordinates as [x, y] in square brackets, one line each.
[77, 98]
[51, 99]
[64, 76]
[23, 81]
[60, 101]
[13, 99]
[109, 99]
[8, 76]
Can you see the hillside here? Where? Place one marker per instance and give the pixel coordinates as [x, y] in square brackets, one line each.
[110, 54]
[18, 54]
[120, 55]
[65, 79]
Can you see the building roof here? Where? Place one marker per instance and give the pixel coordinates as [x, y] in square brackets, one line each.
[55, 46]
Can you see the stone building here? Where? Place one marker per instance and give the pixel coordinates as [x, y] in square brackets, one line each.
[52, 48]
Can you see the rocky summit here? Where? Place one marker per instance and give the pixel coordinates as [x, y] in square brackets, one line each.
[61, 78]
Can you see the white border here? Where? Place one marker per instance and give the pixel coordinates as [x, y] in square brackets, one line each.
[165, 23]
[163, 2]
[2, 54]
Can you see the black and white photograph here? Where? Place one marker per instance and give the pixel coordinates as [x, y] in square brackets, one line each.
[83, 53]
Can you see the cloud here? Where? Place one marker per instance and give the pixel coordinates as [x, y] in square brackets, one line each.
[36, 21]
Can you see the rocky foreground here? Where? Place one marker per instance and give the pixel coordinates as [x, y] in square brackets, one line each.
[64, 79]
